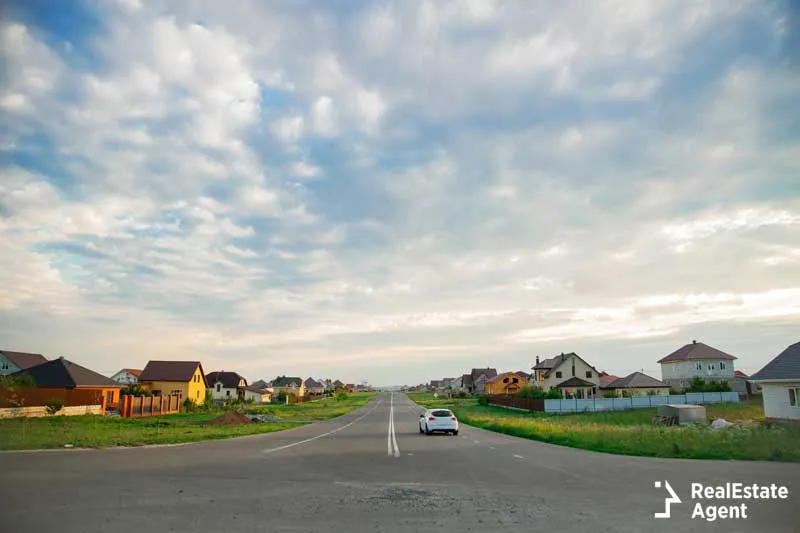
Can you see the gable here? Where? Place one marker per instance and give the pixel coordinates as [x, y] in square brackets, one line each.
[566, 366]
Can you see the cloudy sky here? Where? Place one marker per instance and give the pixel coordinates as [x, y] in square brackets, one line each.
[395, 191]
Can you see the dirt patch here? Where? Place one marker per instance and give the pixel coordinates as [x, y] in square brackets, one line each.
[231, 418]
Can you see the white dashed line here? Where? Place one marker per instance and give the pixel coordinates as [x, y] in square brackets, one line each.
[518, 456]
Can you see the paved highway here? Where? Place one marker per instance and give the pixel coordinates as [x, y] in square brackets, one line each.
[355, 474]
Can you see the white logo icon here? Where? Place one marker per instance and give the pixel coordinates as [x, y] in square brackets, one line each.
[673, 498]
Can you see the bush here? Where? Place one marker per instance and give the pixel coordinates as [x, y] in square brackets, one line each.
[461, 394]
[553, 394]
[134, 389]
[341, 396]
[54, 405]
[483, 400]
[700, 385]
[609, 394]
[11, 382]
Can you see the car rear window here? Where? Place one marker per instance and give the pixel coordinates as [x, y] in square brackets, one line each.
[442, 413]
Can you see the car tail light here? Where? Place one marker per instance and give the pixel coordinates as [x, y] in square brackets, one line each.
[432, 418]
[454, 418]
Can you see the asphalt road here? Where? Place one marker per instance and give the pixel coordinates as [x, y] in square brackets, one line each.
[352, 474]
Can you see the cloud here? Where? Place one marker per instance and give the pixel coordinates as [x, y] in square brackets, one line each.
[398, 191]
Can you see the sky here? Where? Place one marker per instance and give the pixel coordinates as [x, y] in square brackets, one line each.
[398, 191]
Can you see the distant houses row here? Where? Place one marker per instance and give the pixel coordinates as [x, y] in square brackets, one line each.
[185, 379]
[574, 377]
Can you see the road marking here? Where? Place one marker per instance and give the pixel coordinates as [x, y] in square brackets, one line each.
[391, 437]
[476, 441]
[518, 456]
[324, 434]
[492, 448]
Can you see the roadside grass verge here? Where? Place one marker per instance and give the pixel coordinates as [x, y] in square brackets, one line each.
[632, 432]
[96, 431]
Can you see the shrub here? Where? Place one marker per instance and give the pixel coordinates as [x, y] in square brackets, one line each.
[700, 385]
[536, 393]
[483, 400]
[553, 394]
[134, 389]
[11, 382]
[461, 394]
[609, 394]
[341, 396]
[54, 405]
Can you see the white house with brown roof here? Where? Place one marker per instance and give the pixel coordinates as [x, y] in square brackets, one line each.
[697, 360]
[637, 384]
[568, 372]
[11, 362]
[127, 376]
[780, 384]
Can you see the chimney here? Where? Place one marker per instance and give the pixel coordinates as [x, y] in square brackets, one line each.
[694, 342]
[537, 359]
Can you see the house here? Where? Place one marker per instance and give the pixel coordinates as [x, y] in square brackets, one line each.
[505, 383]
[256, 395]
[350, 387]
[127, 376]
[478, 378]
[742, 381]
[261, 385]
[638, 384]
[175, 377]
[314, 387]
[567, 372]
[226, 385]
[66, 375]
[12, 362]
[466, 383]
[780, 385]
[697, 360]
[338, 385]
[292, 386]
[606, 379]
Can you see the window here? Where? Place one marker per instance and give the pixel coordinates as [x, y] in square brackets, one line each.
[515, 380]
[505, 380]
[699, 366]
[794, 396]
[573, 368]
[711, 367]
[722, 366]
[228, 393]
[5, 365]
[219, 387]
[558, 374]
[442, 413]
[197, 394]
[588, 373]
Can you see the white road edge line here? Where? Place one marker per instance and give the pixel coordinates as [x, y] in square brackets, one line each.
[324, 434]
[518, 456]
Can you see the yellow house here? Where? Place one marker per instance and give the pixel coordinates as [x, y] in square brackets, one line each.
[505, 383]
[637, 384]
[175, 377]
[291, 386]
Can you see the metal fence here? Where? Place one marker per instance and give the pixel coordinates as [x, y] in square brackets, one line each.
[135, 406]
[611, 404]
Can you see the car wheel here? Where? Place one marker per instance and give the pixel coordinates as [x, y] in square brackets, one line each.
[420, 430]
[455, 433]
[427, 431]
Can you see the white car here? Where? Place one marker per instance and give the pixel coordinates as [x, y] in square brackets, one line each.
[442, 420]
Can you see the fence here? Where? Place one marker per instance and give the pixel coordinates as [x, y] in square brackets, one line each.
[134, 406]
[40, 396]
[611, 404]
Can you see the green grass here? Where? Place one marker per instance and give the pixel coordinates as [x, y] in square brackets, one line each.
[632, 432]
[102, 431]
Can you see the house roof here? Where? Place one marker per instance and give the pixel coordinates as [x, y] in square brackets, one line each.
[62, 373]
[522, 374]
[312, 383]
[575, 382]
[283, 381]
[181, 371]
[261, 384]
[740, 374]
[229, 380]
[636, 380]
[606, 380]
[549, 365]
[786, 365]
[132, 371]
[466, 380]
[23, 360]
[696, 350]
[256, 390]
[500, 376]
[477, 372]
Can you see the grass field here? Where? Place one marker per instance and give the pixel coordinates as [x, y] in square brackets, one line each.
[103, 431]
[632, 432]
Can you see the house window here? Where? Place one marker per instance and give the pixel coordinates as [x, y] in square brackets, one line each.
[5, 365]
[558, 374]
[227, 393]
[699, 366]
[588, 374]
[794, 397]
[197, 394]
[219, 387]
[573, 369]
[515, 380]
[722, 366]
[711, 367]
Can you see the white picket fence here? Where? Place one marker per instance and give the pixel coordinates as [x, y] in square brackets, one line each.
[637, 402]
